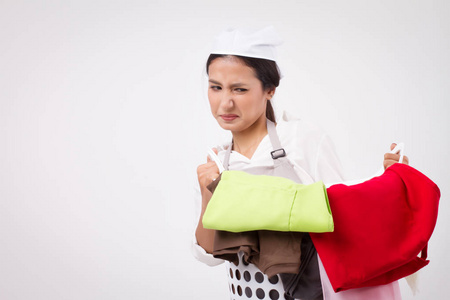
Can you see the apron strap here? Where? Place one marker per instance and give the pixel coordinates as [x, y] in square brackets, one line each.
[226, 159]
[277, 153]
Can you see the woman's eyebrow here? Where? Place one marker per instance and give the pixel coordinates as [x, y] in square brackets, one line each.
[215, 82]
[237, 84]
[233, 85]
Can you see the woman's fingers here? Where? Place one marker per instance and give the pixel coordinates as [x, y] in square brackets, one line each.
[405, 160]
[207, 173]
[209, 167]
[392, 158]
[388, 162]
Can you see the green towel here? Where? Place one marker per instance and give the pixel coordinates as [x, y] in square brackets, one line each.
[244, 202]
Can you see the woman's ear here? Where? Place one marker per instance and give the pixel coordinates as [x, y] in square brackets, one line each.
[270, 93]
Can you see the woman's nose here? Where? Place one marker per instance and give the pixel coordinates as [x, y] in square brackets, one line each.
[226, 100]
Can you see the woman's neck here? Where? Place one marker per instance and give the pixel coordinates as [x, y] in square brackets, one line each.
[246, 142]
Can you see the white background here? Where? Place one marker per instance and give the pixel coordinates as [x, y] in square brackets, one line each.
[104, 118]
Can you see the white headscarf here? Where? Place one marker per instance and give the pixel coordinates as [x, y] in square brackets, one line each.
[257, 44]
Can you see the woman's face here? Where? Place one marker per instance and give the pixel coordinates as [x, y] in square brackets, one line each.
[236, 96]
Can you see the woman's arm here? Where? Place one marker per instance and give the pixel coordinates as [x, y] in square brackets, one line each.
[198, 251]
[206, 174]
[205, 237]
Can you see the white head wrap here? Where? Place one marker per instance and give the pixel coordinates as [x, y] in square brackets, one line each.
[257, 44]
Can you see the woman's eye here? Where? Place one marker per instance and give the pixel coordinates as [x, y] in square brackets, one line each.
[240, 90]
[215, 87]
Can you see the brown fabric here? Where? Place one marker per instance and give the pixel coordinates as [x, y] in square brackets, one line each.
[228, 244]
[212, 186]
[279, 252]
[272, 252]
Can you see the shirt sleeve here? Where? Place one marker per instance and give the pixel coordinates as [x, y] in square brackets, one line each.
[201, 255]
[327, 165]
[197, 251]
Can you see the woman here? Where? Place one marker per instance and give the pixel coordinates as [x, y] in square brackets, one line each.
[243, 77]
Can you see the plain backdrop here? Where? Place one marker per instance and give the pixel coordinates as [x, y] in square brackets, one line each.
[104, 119]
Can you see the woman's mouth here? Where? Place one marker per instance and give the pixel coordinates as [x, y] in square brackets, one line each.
[228, 117]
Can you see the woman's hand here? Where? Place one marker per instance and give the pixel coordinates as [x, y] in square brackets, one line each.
[207, 173]
[390, 158]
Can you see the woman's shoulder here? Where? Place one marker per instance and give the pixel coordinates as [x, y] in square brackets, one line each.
[292, 127]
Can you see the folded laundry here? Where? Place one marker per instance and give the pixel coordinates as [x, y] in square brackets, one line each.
[267, 203]
[381, 226]
[272, 252]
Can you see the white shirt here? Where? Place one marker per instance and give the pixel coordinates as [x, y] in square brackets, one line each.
[308, 148]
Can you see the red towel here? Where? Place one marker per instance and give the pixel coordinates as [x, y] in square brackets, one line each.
[381, 226]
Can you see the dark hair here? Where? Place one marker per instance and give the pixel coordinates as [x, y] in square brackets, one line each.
[266, 71]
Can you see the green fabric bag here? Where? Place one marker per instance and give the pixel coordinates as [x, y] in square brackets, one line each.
[245, 202]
